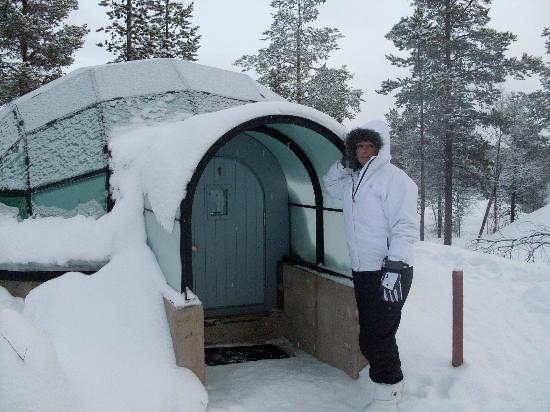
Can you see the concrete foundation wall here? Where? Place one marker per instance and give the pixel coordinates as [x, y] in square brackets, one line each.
[254, 329]
[321, 319]
[187, 330]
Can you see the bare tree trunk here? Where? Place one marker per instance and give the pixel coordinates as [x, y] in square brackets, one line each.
[495, 211]
[166, 19]
[422, 150]
[485, 216]
[23, 81]
[495, 186]
[457, 221]
[439, 214]
[129, 50]
[299, 97]
[513, 207]
[448, 137]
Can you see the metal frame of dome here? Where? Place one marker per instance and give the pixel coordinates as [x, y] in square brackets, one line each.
[96, 87]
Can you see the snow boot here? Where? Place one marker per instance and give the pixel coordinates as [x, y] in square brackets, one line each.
[385, 398]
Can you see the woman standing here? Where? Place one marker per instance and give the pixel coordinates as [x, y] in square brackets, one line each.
[381, 225]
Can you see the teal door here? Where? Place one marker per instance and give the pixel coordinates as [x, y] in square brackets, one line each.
[228, 239]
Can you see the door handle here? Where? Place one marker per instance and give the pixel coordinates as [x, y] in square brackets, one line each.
[194, 248]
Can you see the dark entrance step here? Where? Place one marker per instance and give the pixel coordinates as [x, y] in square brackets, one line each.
[243, 329]
[226, 355]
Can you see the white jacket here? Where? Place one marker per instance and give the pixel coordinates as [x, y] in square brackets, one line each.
[384, 211]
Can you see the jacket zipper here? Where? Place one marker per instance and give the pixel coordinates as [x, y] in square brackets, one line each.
[355, 242]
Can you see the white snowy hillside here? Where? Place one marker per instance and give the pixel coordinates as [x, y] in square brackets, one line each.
[526, 239]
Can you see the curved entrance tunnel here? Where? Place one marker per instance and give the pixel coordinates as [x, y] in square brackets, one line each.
[256, 198]
[256, 222]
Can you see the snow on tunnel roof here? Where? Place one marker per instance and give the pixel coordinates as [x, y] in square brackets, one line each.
[167, 154]
[86, 86]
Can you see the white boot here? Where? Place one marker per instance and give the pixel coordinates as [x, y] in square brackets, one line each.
[385, 398]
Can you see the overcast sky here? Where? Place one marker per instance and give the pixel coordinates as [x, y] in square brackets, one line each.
[231, 28]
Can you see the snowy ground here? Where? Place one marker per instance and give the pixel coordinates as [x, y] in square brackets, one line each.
[506, 341]
[123, 360]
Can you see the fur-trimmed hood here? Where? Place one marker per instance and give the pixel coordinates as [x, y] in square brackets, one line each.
[382, 129]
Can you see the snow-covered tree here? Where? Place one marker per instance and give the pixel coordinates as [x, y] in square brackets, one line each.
[520, 171]
[541, 98]
[412, 33]
[144, 29]
[525, 167]
[294, 62]
[35, 43]
[173, 34]
[129, 30]
[329, 92]
[462, 61]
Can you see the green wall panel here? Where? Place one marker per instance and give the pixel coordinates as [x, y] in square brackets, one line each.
[87, 197]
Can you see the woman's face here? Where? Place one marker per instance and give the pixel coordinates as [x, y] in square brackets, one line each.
[364, 151]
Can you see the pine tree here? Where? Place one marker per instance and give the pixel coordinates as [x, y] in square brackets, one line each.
[462, 61]
[173, 34]
[294, 62]
[145, 29]
[413, 33]
[329, 92]
[541, 98]
[525, 170]
[35, 44]
[129, 30]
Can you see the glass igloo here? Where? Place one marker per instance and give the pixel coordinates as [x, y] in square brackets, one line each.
[54, 161]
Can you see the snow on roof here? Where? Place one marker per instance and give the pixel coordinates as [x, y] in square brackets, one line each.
[169, 153]
[89, 85]
[157, 160]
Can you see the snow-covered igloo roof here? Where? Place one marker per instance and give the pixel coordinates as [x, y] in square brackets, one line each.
[86, 86]
[61, 129]
[62, 133]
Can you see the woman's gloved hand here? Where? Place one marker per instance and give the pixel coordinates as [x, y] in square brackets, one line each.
[349, 160]
[391, 280]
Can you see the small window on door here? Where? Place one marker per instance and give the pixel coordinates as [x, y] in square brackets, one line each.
[217, 201]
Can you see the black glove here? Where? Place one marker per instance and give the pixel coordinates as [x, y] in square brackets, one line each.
[349, 160]
[391, 280]
[344, 162]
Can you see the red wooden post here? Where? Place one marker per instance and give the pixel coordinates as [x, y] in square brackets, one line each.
[458, 318]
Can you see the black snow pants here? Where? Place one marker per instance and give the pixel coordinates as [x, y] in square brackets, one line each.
[378, 323]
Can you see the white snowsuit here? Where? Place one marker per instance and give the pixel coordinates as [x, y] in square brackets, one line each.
[379, 203]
